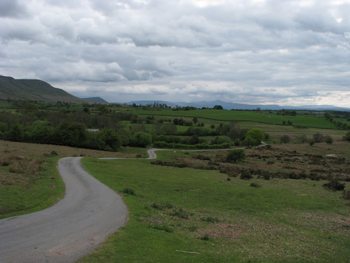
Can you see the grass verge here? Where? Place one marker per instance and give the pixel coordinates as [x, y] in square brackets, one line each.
[186, 215]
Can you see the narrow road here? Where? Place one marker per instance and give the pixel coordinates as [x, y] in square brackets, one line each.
[89, 212]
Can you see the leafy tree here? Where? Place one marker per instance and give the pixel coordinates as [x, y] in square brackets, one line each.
[218, 107]
[254, 137]
[141, 139]
[110, 139]
[73, 134]
[15, 133]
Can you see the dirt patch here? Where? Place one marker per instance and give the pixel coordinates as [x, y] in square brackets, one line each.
[222, 230]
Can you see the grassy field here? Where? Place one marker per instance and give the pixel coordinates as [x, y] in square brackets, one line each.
[303, 120]
[187, 215]
[29, 180]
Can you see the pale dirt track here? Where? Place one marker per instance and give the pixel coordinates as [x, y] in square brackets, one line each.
[88, 213]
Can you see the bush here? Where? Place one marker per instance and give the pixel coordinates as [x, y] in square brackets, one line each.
[181, 213]
[328, 139]
[347, 136]
[210, 219]
[235, 156]
[256, 185]
[317, 137]
[129, 191]
[285, 139]
[163, 227]
[346, 194]
[162, 206]
[141, 139]
[245, 175]
[334, 185]
[205, 237]
[254, 137]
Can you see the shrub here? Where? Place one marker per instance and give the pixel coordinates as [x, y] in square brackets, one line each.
[254, 137]
[256, 185]
[285, 139]
[181, 213]
[317, 137]
[210, 219]
[347, 136]
[141, 139]
[162, 206]
[334, 185]
[205, 237]
[346, 194]
[129, 191]
[163, 227]
[245, 175]
[328, 139]
[235, 156]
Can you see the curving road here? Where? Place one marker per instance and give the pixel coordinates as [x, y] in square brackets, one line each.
[73, 227]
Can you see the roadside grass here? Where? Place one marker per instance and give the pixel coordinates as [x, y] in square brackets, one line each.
[29, 180]
[187, 215]
[33, 193]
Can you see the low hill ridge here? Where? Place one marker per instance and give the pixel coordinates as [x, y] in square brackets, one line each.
[33, 90]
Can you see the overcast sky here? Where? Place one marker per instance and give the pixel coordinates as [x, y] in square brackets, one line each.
[250, 51]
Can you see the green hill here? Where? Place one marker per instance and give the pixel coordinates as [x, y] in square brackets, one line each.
[95, 100]
[32, 89]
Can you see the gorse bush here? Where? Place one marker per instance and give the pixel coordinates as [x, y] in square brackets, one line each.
[235, 156]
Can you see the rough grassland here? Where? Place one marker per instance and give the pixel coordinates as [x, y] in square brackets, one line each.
[29, 180]
[186, 215]
[309, 121]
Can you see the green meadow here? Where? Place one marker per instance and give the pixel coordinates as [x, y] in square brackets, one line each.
[187, 215]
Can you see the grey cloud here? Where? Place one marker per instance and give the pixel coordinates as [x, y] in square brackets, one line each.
[275, 52]
[11, 8]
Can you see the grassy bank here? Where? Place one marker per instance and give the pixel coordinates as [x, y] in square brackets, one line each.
[29, 180]
[32, 192]
[186, 215]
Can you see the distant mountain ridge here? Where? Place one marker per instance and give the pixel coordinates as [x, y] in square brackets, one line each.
[239, 106]
[33, 90]
[95, 100]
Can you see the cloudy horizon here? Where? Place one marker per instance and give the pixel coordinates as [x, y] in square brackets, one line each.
[255, 51]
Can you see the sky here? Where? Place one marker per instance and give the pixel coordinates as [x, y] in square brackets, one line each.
[253, 51]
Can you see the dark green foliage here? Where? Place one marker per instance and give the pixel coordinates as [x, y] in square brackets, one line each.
[205, 237]
[246, 175]
[210, 219]
[285, 139]
[347, 136]
[255, 185]
[254, 137]
[163, 227]
[141, 139]
[180, 213]
[218, 107]
[346, 194]
[334, 185]
[318, 137]
[235, 156]
[328, 139]
[128, 191]
[162, 206]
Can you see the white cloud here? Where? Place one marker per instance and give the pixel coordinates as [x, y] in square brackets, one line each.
[244, 51]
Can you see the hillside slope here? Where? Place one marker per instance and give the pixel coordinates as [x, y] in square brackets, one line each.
[32, 89]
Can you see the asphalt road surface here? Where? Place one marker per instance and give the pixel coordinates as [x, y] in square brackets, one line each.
[72, 228]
